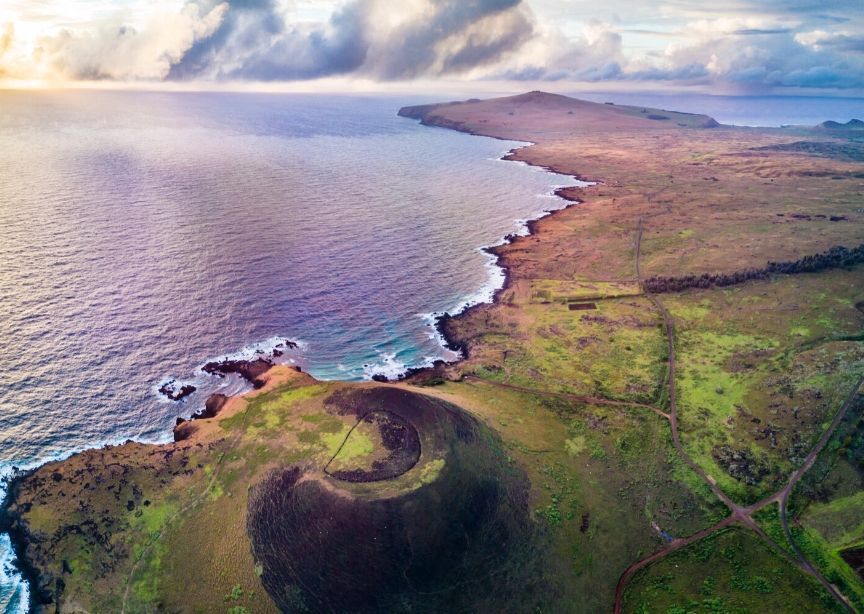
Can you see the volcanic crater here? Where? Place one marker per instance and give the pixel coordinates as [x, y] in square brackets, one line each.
[423, 522]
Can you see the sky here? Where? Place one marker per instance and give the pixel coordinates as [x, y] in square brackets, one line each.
[719, 46]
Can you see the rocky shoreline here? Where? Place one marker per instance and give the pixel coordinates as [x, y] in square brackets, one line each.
[252, 370]
[569, 194]
[436, 372]
[170, 390]
[19, 539]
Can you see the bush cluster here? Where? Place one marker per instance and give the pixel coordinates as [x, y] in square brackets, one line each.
[836, 257]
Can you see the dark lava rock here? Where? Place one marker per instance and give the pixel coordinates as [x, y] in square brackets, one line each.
[743, 464]
[435, 375]
[184, 430]
[172, 393]
[855, 559]
[215, 402]
[250, 370]
[451, 533]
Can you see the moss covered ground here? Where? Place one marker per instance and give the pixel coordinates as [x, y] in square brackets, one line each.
[756, 386]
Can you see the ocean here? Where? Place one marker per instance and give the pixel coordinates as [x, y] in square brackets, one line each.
[145, 233]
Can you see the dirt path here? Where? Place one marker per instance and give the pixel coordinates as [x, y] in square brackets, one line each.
[676, 544]
[783, 496]
[739, 514]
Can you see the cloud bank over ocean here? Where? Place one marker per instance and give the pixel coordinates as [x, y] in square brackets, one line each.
[759, 44]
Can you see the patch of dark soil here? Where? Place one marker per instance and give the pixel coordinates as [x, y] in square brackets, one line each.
[463, 542]
[582, 306]
[855, 559]
[743, 464]
[400, 439]
[849, 151]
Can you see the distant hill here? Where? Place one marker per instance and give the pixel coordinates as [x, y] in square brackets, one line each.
[852, 124]
[564, 108]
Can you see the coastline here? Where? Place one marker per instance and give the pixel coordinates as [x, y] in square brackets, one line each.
[184, 435]
[441, 320]
[564, 193]
[18, 540]
[39, 594]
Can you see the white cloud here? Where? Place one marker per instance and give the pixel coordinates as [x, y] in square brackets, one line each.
[748, 43]
[117, 51]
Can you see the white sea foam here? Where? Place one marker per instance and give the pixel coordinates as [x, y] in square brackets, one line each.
[388, 366]
[392, 368]
[14, 592]
[232, 384]
[265, 349]
[496, 277]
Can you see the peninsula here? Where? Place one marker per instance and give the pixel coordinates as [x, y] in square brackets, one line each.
[660, 412]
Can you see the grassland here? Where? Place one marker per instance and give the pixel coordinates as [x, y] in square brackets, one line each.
[727, 572]
[764, 365]
[691, 451]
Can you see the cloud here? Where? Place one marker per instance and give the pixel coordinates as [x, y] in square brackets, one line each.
[6, 37]
[749, 50]
[120, 52]
[760, 31]
[756, 44]
[780, 59]
[370, 38]
[596, 55]
[838, 41]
